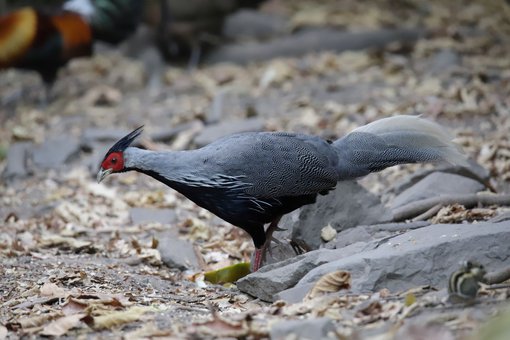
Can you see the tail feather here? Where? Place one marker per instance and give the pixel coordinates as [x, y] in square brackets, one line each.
[395, 140]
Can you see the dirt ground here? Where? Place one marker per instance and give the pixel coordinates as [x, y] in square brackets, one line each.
[73, 264]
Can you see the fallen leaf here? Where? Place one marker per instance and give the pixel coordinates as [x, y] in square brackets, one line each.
[409, 299]
[32, 321]
[118, 318]
[228, 274]
[74, 306]
[220, 328]
[51, 289]
[330, 283]
[61, 325]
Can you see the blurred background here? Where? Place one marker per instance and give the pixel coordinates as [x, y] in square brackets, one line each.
[77, 75]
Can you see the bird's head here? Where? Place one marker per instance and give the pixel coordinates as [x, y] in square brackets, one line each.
[114, 159]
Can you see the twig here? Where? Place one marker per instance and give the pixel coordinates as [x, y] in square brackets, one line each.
[497, 277]
[428, 214]
[416, 208]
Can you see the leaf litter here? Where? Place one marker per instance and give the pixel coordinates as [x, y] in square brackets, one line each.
[68, 246]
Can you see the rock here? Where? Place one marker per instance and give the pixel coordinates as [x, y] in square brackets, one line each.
[319, 328]
[345, 207]
[277, 277]
[16, 163]
[311, 40]
[92, 135]
[56, 152]
[141, 215]
[379, 232]
[442, 61]
[474, 171]
[328, 233]
[213, 132]
[436, 184]
[423, 256]
[247, 23]
[177, 253]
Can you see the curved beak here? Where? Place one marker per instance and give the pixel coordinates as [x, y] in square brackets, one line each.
[102, 173]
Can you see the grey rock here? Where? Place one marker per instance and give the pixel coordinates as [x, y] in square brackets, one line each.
[277, 277]
[141, 215]
[345, 207]
[56, 152]
[92, 135]
[443, 61]
[294, 294]
[474, 171]
[319, 328]
[375, 232]
[177, 253]
[311, 40]
[424, 256]
[213, 132]
[253, 24]
[436, 184]
[17, 156]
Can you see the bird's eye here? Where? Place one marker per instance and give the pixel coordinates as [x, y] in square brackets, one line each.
[114, 160]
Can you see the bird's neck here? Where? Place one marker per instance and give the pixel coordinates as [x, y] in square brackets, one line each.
[168, 164]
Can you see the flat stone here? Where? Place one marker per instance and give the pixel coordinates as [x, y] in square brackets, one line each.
[311, 40]
[214, 132]
[473, 171]
[177, 253]
[253, 24]
[16, 162]
[347, 206]
[144, 215]
[436, 184]
[424, 256]
[319, 328]
[56, 152]
[277, 277]
[442, 61]
[92, 135]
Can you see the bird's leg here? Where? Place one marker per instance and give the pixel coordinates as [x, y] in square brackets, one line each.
[260, 253]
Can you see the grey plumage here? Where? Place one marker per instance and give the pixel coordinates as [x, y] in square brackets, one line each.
[253, 178]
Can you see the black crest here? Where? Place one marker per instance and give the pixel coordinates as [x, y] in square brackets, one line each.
[125, 141]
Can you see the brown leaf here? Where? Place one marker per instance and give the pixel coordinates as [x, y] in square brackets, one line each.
[219, 327]
[51, 289]
[61, 325]
[330, 283]
[74, 306]
[118, 318]
[32, 321]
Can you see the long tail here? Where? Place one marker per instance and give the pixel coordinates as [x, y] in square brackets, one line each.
[394, 140]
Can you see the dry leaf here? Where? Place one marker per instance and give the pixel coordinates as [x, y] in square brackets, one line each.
[33, 321]
[61, 325]
[409, 299]
[51, 289]
[219, 327]
[57, 240]
[330, 283]
[118, 318]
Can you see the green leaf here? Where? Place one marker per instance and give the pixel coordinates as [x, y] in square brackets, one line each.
[228, 274]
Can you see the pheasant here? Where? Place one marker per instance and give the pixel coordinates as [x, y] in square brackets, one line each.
[35, 40]
[253, 179]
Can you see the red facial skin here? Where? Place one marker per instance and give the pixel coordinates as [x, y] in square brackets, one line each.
[114, 161]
